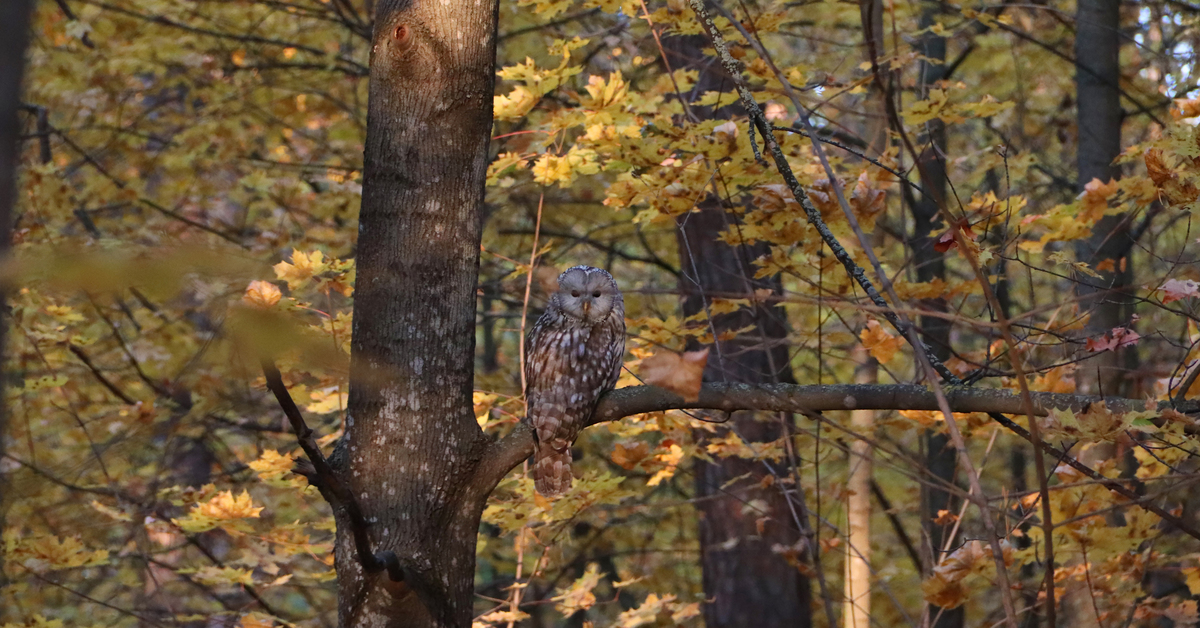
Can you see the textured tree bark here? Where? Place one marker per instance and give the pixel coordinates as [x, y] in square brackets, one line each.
[412, 443]
[14, 36]
[940, 454]
[1097, 80]
[748, 584]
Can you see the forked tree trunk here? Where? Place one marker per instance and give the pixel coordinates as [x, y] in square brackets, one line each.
[413, 446]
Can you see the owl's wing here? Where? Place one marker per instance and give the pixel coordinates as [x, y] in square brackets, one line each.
[542, 358]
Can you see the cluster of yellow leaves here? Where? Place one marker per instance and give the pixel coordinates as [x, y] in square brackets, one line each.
[535, 82]
[938, 105]
[44, 554]
[1096, 424]
[315, 268]
[274, 468]
[224, 510]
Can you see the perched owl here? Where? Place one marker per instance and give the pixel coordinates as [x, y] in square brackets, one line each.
[572, 356]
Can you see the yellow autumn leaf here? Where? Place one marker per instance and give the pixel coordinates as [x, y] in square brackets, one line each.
[212, 575]
[223, 509]
[303, 267]
[272, 465]
[226, 506]
[326, 400]
[882, 345]
[515, 104]
[261, 294]
[670, 459]
[42, 554]
[579, 596]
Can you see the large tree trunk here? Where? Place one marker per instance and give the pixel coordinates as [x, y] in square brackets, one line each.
[746, 582]
[413, 446]
[1097, 80]
[941, 457]
[14, 36]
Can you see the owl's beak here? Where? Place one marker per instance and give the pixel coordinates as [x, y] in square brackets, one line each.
[587, 306]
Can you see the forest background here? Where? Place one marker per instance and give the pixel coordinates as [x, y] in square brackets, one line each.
[1007, 187]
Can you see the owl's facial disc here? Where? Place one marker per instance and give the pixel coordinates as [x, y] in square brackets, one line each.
[587, 294]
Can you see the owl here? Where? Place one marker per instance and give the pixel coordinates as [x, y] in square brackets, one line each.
[572, 356]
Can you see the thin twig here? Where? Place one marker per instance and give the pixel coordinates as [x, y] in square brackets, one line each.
[329, 483]
[1035, 437]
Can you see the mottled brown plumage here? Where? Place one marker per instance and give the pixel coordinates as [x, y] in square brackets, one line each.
[573, 356]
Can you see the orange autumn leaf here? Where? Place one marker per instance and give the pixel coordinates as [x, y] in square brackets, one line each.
[679, 373]
[1095, 197]
[1186, 108]
[627, 456]
[261, 294]
[879, 342]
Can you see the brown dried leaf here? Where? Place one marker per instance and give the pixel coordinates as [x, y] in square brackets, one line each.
[627, 456]
[678, 373]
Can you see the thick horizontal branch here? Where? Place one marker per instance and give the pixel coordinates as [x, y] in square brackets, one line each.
[327, 481]
[509, 451]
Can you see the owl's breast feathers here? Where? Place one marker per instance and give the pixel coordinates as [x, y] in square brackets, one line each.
[568, 366]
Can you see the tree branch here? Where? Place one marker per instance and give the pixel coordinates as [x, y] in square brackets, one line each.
[509, 451]
[329, 483]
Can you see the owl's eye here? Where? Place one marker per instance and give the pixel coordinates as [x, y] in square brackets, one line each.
[574, 293]
[596, 294]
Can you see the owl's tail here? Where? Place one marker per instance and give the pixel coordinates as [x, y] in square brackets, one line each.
[552, 469]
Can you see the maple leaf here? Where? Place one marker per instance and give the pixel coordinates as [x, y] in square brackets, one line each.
[256, 620]
[579, 596]
[302, 268]
[627, 457]
[261, 294]
[647, 613]
[272, 466]
[41, 554]
[223, 509]
[515, 104]
[1113, 340]
[214, 576]
[867, 200]
[1094, 199]
[680, 373]
[948, 239]
[1179, 289]
[882, 345]
[671, 459]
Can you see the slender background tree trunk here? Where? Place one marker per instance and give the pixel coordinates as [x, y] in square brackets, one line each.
[14, 36]
[1104, 298]
[748, 584]
[1097, 80]
[940, 455]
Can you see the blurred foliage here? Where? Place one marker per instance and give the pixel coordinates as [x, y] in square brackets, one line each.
[189, 200]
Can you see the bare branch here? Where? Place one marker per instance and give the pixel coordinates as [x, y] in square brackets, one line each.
[329, 483]
[509, 451]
